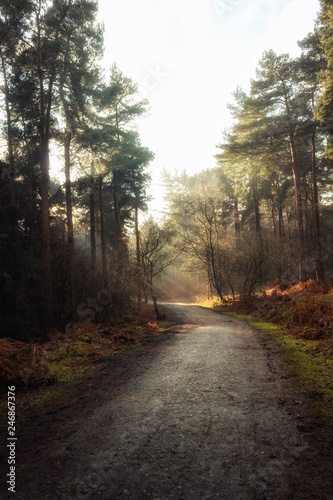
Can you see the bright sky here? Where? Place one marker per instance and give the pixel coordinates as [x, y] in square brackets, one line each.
[187, 57]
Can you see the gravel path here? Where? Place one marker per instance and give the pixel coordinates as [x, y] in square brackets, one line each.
[204, 412]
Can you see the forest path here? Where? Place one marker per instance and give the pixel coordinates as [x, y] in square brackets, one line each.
[204, 412]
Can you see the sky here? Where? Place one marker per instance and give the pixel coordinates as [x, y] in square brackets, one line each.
[187, 57]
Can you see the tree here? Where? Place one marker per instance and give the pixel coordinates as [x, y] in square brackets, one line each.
[120, 110]
[324, 109]
[201, 211]
[156, 255]
[309, 67]
[79, 79]
[272, 129]
[46, 49]
[274, 88]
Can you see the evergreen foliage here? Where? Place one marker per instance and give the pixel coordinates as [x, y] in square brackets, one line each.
[55, 99]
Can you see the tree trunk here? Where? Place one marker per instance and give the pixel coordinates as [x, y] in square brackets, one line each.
[12, 195]
[117, 218]
[273, 219]
[315, 211]
[103, 242]
[299, 210]
[46, 242]
[70, 229]
[156, 309]
[9, 134]
[138, 252]
[297, 189]
[236, 215]
[281, 222]
[45, 100]
[256, 205]
[92, 219]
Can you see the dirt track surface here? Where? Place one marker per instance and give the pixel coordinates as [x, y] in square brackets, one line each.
[204, 412]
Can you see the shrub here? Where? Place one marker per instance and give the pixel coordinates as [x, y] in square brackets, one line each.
[22, 363]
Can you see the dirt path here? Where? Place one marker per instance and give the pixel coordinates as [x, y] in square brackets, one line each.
[207, 412]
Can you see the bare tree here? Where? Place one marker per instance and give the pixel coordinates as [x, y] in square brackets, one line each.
[157, 254]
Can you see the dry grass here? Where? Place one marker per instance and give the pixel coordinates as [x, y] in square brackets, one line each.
[308, 316]
[26, 363]
[309, 286]
[66, 355]
[305, 311]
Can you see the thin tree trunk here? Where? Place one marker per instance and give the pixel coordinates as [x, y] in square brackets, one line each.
[281, 222]
[9, 134]
[256, 205]
[119, 231]
[299, 210]
[102, 221]
[45, 110]
[138, 252]
[70, 228]
[297, 188]
[315, 210]
[12, 195]
[69, 200]
[156, 308]
[273, 218]
[46, 242]
[116, 207]
[236, 215]
[92, 219]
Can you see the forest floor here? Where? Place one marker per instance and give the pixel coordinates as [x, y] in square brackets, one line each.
[201, 407]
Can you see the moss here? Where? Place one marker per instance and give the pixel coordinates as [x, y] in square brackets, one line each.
[87, 339]
[65, 373]
[67, 367]
[60, 355]
[312, 370]
[46, 396]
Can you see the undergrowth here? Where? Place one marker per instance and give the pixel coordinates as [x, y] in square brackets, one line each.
[66, 356]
